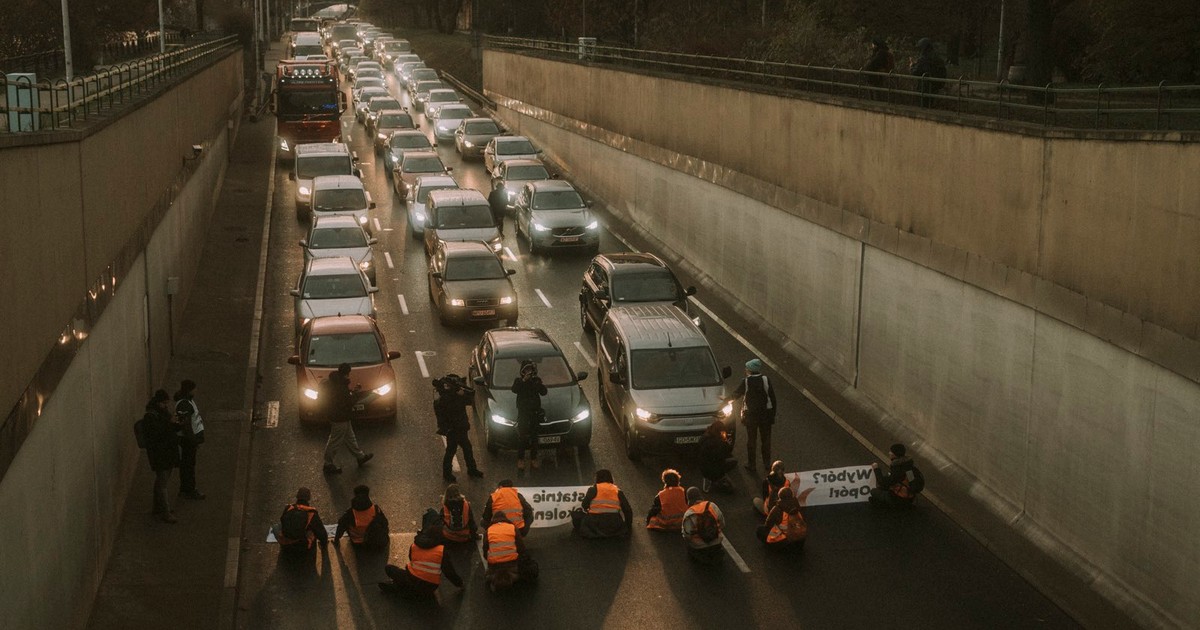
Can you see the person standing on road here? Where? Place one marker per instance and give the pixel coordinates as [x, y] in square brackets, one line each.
[428, 563]
[529, 389]
[716, 457]
[338, 400]
[703, 528]
[300, 525]
[899, 487]
[666, 515]
[775, 480]
[458, 524]
[604, 512]
[450, 408]
[364, 522]
[758, 412]
[498, 200]
[187, 413]
[507, 501]
[161, 431]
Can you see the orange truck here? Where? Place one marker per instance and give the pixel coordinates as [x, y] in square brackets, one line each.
[308, 104]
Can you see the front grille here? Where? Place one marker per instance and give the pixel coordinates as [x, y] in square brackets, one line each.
[483, 302]
[568, 231]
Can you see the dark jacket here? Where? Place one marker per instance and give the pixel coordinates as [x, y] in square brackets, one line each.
[529, 399]
[758, 406]
[336, 398]
[347, 520]
[315, 525]
[712, 452]
[605, 525]
[162, 439]
[881, 60]
[450, 408]
[897, 472]
[455, 507]
[427, 539]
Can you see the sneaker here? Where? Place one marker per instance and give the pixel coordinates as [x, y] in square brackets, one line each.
[475, 473]
[194, 495]
[449, 478]
[365, 458]
[332, 469]
[168, 517]
[521, 464]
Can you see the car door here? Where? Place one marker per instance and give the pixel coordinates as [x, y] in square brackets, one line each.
[436, 265]
[481, 363]
[431, 237]
[599, 300]
[522, 211]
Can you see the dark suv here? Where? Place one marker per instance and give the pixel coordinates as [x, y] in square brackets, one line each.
[629, 278]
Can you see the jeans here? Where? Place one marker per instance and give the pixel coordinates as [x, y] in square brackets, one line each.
[162, 479]
[187, 466]
[527, 439]
[341, 433]
[753, 432]
[454, 440]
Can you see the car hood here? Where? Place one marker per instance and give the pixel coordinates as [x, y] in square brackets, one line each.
[478, 289]
[561, 218]
[357, 254]
[369, 376]
[468, 234]
[517, 156]
[479, 139]
[342, 306]
[559, 403]
[680, 400]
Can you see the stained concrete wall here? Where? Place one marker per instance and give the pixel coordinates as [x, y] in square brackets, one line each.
[1079, 444]
[62, 496]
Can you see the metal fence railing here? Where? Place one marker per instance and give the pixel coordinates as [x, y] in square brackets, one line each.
[1143, 108]
[46, 104]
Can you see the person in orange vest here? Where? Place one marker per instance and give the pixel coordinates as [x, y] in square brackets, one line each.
[785, 527]
[508, 559]
[364, 522]
[899, 487]
[666, 515]
[604, 512]
[300, 524]
[770, 488]
[703, 528]
[507, 501]
[458, 524]
[428, 563]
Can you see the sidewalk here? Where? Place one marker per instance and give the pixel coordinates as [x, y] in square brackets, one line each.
[174, 576]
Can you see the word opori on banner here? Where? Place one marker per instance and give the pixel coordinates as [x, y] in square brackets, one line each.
[834, 485]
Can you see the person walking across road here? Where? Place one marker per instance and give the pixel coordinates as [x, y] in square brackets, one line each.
[899, 487]
[529, 390]
[770, 488]
[666, 515]
[338, 400]
[364, 522]
[161, 434]
[187, 413]
[758, 412]
[715, 452]
[458, 524]
[450, 408]
[604, 512]
[300, 525]
[507, 501]
[703, 528]
[428, 563]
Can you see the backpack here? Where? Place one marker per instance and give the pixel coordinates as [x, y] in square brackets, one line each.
[139, 432]
[916, 481]
[376, 534]
[707, 527]
[294, 524]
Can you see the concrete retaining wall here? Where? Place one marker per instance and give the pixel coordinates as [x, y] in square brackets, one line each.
[1081, 445]
[81, 203]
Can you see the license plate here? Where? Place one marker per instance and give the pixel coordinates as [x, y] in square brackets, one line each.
[483, 312]
[568, 239]
[688, 439]
[550, 439]
[360, 407]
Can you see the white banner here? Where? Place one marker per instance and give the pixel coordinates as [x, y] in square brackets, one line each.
[552, 505]
[834, 485]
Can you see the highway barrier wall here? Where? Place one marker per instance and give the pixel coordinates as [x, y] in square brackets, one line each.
[94, 222]
[1020, 305]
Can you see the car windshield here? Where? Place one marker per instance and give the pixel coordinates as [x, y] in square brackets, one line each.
[329, 238]
[378, 104]
[527, 173]
[557, 200]
[423, 165]
[300, 25]
[553, 370]
[482, 127]
[354, 348]
[312, 166]
[423, 192]
[308, 101]
[370, 82]
[424, 87]
[409, 140]
[313, 49]
[666, 368]
[335, 199]
[369, 73]
[334, 287]
[461, 217]
[474, 268]
[645, 287]
[424, 74]
[393, 121]
[514, 147]
[453, 114]
[442, 97]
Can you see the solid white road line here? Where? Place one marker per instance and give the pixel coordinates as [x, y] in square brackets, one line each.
[737, 558]
[586, 355]
[511, 256]
[454, 464]
[421, 362]
[543, 296]
[378, 228]
[272, 414]
[388, 257]
[403, 304]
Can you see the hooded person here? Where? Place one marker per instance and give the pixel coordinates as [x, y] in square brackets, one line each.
[427, 564]
[775, 480]
[161, 435]
[900, 485]
[931, 70]
[364, 522]
[881, 62]
[529, 389]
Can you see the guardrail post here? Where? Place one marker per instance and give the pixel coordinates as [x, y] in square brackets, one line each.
[1046, 104]
[1159, 109]
[1099, 96]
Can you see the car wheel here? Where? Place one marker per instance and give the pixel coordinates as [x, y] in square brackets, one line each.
[442, 313]
[492, 446]
[631, 449]
[583, 319]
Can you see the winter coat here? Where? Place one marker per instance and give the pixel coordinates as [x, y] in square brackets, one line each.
[336, 398]
[450, 408]
[529, 400]
[162, 439]
[758, 406]
[712, 452]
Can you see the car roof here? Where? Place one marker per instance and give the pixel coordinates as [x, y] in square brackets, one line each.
[332, 266]
[389, 97]
[369, 62]
[341, 325]
[322, 148]
[335, 221]
[409, 132]
[453, 107]
[547, 185]
[631, 261]
[436, 180]
[522, 342]
[465, 249]
[459, 197]
[523, 162]
[656, 326]
[327, 182]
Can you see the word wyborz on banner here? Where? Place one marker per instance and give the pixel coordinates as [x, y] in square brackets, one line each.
[552, 505]
[834, 485]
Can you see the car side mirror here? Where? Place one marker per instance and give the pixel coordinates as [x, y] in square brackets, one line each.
[376, 290]
[579, 376]
[295, 292]
[589, 203]
[294, 359]
[392, 355]
[689, 291]
[601, 294]
[358, 172]
[372, 241]
[302, 243]
[449, 168]
[372, 205]
[437, 275]
[511, 272]
[292, 175]
[434, 145]
[478, 380]
[726, 372]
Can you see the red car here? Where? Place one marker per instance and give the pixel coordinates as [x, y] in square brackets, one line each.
[325, 343]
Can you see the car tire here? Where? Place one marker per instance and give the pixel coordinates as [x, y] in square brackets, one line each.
[490, 443]
[631, 448]
[583, 319]
[442, 313]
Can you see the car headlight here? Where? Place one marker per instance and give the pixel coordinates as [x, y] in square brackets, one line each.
[468, 144]
[304, 191]
[498, 419]
[310, 393]
[457, 302]
[283, 144]
[581, 416]
[643, 414]
[696, 321]
[727, 410]
[508, 299]
[497, 246]
[540, 228]
[362, 220]
[364, 265]
[381, 136]
[593, 225]
[383, 390]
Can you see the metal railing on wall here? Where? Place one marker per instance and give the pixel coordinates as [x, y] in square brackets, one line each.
[1160, 107]
[27, 105]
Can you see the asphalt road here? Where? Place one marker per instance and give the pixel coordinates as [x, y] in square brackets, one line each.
[860, 568]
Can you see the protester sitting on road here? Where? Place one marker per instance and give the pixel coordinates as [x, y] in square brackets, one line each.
[716, 457]
[300, 524]
[666, 515]
[785, 527]
[703, 528]
[508, 559]
[457, 524]
[770, 488]
[507, 501]
[427, 563]
[604, 511]
[899, 487]
[364, 522]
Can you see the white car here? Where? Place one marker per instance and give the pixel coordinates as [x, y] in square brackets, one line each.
[341, 195]
[438, 98]
[332, 237]
[419, 200]
[314, 159]
[332, 286]
[504, 148]
[448, 119]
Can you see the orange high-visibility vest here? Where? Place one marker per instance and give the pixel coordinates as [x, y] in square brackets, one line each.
[790, 528]
[700, 507]
[607, 501]
[773, 494]
[672, 504]
[448, 531]
[507, 502]
[309, 537]
[502, 543]
[362, 518]
[426, 564]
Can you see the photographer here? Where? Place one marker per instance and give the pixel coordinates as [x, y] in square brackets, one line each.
[529, 390]
[450, 408]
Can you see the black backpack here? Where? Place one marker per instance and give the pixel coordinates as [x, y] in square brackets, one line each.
[294, 524]
[916, 481]
[707, 527]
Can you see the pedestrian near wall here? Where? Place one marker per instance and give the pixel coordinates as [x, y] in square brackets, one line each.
[338, 401]
[450, 408]
[191, 436]
[758, 412]
[930, 70]
[161, 431]
[900, 485]
[529, 390]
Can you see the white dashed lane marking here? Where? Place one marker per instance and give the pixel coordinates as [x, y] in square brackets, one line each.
[421, 362]
[388, 257]
[543, 297]
[403, 304]
[377, 226]
[272, 414]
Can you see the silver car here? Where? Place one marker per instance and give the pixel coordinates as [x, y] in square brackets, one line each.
[405, 71]
[332, 286]
[473, 134]
[403, 140]
[552, 215]
[439, 98]
[401, 59]
[361, 98]
[512, 175]
[419, 200]
[448, 119]
[503, 148]
[344, 195]
[331, 237]
[419, 91]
